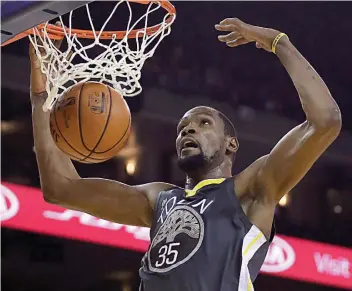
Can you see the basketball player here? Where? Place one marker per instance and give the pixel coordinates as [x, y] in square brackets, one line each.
[212, 235]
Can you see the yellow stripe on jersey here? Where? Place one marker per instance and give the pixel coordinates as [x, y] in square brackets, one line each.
[252, 243]
[250, 285]
[190, 193]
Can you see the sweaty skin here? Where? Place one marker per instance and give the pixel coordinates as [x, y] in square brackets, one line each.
[259, 187]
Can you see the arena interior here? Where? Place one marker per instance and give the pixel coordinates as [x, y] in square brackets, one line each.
[48, 248]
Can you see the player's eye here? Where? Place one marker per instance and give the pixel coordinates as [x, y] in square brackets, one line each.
[205, 122]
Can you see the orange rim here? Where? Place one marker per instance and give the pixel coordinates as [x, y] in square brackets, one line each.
[57, 32]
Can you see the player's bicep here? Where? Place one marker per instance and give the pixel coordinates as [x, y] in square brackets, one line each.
[110, 200]
[292, 158]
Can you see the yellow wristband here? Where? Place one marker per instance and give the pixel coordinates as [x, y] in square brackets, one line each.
[276, 40]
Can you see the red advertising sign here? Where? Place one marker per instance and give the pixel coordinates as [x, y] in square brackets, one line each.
[309, 261]
[24, 208]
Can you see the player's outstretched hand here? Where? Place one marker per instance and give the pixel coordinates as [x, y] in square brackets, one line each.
[242, 33]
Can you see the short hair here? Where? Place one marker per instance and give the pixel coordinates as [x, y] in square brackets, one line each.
[229, 129]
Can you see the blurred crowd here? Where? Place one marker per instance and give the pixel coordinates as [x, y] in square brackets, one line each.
[191, 62]
[227, 83]
[224, 81]
[243, 76]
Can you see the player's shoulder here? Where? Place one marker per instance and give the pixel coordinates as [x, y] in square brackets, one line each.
[154, 189]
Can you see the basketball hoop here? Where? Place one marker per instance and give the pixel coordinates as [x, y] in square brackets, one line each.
[118, 66]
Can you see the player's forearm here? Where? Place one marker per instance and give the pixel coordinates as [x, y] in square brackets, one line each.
[55, 168]
[319, 106]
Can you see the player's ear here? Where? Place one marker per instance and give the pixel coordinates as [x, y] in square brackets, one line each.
[232, 145]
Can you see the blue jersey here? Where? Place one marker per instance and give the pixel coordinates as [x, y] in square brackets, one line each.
[201, 240]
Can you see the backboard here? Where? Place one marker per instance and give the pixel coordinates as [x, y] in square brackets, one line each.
[17, 16]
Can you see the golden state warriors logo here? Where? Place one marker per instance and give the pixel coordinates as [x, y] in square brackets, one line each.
[177, 240]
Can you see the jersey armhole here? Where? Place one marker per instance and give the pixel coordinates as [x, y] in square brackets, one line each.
[273, 231]
[237, 205]
[242, 216]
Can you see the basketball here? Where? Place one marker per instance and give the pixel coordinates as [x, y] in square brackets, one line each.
[90, 122]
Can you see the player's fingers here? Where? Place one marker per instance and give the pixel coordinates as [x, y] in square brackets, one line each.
[31, 49]
[228, 37]
[237, 42]
[225, 27]
[32, 54]
[232, 21]
[38, 45]
[69, 55]
[57, 43]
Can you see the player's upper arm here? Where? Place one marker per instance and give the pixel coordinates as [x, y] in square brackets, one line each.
[291, 159]
[107, 199]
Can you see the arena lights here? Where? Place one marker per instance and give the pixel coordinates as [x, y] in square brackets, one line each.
[10, 127]
[284, 200]
[131, 166]
[337, 209]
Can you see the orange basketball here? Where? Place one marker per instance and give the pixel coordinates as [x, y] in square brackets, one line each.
[90, 122]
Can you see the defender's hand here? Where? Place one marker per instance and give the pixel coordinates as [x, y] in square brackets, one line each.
[242, 33]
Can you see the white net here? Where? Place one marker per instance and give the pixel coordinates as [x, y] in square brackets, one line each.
[119, 65]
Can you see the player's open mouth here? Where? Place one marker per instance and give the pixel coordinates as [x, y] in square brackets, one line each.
[189, 144]
[189, 147]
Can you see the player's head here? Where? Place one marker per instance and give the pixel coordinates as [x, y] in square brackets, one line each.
[206, 139]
